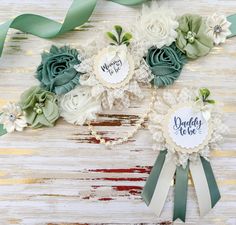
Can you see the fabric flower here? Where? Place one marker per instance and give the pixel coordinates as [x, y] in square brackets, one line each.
[218, 28]
[166, 64]
[192, 37]
[78, 105]
[12, 118]
[56, 71]
[157, 25]
[40, 107]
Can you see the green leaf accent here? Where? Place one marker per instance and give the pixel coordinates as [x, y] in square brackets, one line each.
[126, 37]
[118, 29]
[205, 93]
[112, 36]
[211, 101]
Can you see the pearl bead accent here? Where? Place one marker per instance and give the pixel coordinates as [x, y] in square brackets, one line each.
[38, 108]
[190, 37]
[130, 134]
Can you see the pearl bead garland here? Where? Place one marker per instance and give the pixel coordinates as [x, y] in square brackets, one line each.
[131, 134]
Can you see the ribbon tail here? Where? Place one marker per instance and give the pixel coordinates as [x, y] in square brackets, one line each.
[212, 185]
[150, 185]
[40, 26]
[181, 188]
[232, 20]
[157, 187]
[201, 186]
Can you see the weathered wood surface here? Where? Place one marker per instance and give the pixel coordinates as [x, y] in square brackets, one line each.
[61, 175]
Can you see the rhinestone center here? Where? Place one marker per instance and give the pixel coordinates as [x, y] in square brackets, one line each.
[218, 29]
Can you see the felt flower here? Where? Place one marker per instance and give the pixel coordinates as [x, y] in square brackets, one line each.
[56, 71]
[192, 37]
[12, 118]
[166, 64]
[156, 25]
[78, 105]
[218, 28]
[40, 107]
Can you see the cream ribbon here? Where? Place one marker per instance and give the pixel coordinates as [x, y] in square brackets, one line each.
[117, 51]
[201, 186]
[162, 187]
[204, 109]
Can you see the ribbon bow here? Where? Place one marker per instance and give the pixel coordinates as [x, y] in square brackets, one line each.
[203, 104]
[117, 51]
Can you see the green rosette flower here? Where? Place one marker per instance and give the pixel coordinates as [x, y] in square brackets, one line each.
[40, 107]
[192, 37]
[56, 71]
[166, 64]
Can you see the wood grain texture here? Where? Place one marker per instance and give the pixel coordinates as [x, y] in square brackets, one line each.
[61, 176]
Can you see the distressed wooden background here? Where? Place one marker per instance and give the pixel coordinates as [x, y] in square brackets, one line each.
[61, 176]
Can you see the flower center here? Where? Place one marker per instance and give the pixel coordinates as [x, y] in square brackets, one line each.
[190, 36]
[12, 117]
[38, 107]
[218, 29]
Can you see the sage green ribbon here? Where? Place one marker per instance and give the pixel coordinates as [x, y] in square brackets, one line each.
[213, 188]
[150, 185]
[232, 20]
[158, 183]
[181, 188]
[2, 130]
[79, 13]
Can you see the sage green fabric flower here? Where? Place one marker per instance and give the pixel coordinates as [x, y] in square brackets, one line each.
[192, 37]
[40, 107]
[56, 71]
[166, 64]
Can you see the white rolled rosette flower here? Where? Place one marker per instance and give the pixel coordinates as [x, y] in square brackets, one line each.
[78, 105]
[156, 25]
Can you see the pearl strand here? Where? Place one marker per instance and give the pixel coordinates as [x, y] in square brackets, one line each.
[131, 134]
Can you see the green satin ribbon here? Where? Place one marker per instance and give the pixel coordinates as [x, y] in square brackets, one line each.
[2, 130]
[213, 188]
[129, 2]
[181, 189]
[40, 26]
[150, 185]
[232, 20]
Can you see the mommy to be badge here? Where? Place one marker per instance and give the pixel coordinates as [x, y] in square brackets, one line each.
[114, 66]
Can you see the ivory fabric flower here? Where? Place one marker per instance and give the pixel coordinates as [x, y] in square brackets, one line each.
[12, 118]
[166, 64]
[40, 107]
[156, 25]
[218, 28]
[78, 105]
[56, 71]
[192, 37]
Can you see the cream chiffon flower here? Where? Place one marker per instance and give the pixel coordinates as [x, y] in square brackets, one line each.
[78, 105]
[156, 25]
[12, 118]
[218, 28]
